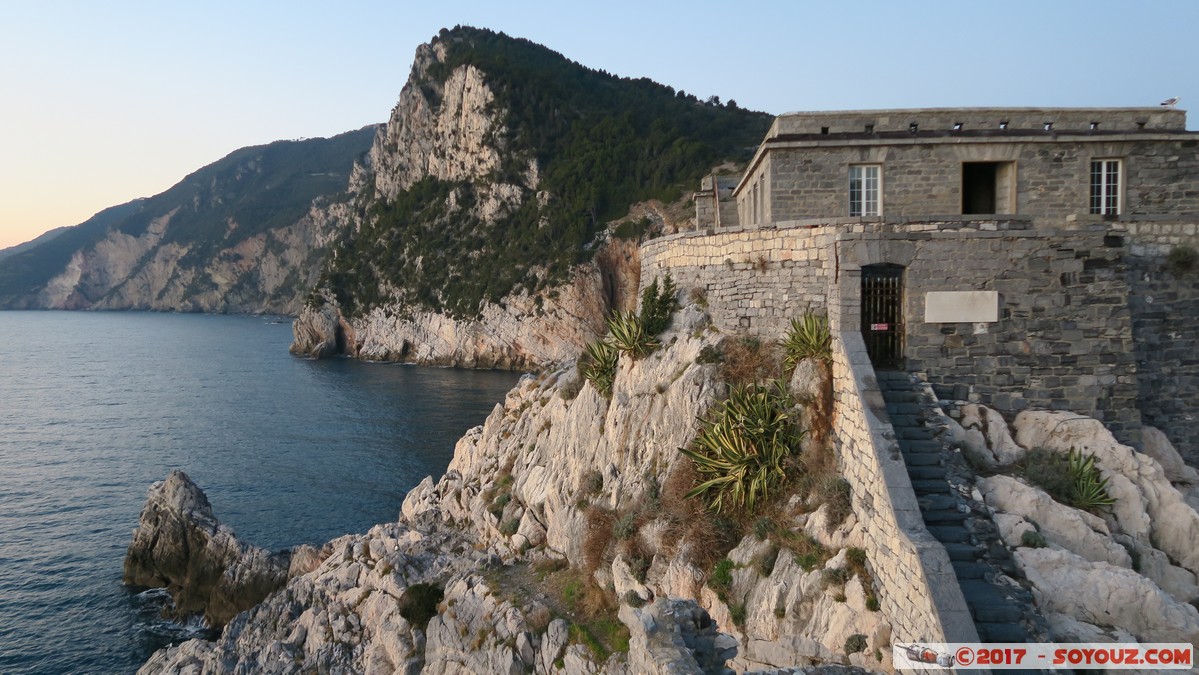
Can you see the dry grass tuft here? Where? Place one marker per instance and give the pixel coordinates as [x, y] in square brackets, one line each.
[597, 538]
[748, 359]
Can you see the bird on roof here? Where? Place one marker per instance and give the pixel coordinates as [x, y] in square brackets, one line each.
[1172, 101]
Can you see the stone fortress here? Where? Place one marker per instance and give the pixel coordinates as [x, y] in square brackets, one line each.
[1014, 257]
[1024, 259]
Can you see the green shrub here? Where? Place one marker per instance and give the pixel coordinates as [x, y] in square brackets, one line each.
[855, 643]
[598, 366]
[1072, 479]
[808, 338]
[738, 613]
[658, 303]
[1181, 259]
[721, 577]
[741, 450]
[419, 603]
[632, 599]
[627, 333]
[631, 229]
[1033, 539]
[510, 526]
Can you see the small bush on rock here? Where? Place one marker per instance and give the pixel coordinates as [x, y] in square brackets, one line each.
[419, 604]
[598, 366]
[741, 452]
[808, 338]
[1033, 539]
[1071, 479]
[658, 303]
[627, 334]
[855, 643]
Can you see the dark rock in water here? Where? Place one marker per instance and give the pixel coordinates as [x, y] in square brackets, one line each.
[180, 545]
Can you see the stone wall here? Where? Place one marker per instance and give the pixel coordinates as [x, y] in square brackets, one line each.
[1064, 336]
[922, 176]
[883, 121]
[1165, 324]
[754, 280]
[918, 590]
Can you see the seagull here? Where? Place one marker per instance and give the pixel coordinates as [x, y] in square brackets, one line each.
[1172, 101]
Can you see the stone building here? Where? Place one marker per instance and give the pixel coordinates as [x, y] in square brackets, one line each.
[1019, 257]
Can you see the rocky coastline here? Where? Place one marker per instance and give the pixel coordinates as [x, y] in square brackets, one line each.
[491, 567]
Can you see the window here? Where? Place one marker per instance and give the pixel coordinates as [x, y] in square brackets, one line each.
[864, 190]
[1105, 187]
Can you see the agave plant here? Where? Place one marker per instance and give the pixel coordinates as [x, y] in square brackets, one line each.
[808, 338]
[599, 366]
[627, 333]
[1088, 487]
[741, 450]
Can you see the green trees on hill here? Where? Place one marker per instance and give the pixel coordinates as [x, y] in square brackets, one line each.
[601, 143]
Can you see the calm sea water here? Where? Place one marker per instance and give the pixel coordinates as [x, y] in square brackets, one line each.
[94, 407]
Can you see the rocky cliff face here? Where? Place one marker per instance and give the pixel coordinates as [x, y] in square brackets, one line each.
[486, 569]
[245, 234]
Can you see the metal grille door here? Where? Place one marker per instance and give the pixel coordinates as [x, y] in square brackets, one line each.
[882, 315]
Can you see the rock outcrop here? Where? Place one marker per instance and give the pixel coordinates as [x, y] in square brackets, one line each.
[518, 499]
[180, 545]
[1125, 572]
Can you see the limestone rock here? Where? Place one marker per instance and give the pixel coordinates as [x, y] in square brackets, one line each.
[1072, 529]
[1148, 507]
[1159, 447]
[180, 545]
[318, 333]
[1000, 448]
[1106, 595]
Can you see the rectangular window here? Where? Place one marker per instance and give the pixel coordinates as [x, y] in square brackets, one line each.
[864, 190]
[1105, 187]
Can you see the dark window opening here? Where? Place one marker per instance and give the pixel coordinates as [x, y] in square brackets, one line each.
[988, 187]
[824, 131]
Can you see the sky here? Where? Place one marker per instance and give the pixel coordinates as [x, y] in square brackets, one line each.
[105, 102]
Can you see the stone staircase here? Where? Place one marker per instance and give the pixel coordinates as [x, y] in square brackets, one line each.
[1001, 610]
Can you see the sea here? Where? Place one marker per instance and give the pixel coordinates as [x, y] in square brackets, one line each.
[97, 406]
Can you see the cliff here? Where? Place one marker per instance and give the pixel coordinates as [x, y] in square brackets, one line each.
[560, 540]
[244, 234]
[481, 235]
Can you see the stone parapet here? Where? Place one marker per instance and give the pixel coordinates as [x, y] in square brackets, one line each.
[918, 590]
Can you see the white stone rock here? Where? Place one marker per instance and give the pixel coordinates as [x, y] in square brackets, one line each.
[1103, 594]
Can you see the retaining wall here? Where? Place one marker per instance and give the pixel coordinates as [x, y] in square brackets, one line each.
[918, 590]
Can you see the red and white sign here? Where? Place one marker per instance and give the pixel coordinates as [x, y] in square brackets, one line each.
[880, 326]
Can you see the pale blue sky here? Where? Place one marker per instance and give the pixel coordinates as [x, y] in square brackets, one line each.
[103, 102]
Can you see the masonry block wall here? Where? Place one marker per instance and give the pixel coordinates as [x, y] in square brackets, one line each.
[1165, 322]
[1064, 337]
[754, 280]
[924, 176]
[918, 591]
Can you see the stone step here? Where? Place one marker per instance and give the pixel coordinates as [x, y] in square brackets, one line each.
[922, 458]
[915, 445]
[928, 487]
[938, 502]
[903, 408]
[915, 433]
[892, 375]
[970, 570]
[898, 421]
[962, 552]
[1001, 632]
[900, 395]
[949, 534]
[929, 472]
[943, 516]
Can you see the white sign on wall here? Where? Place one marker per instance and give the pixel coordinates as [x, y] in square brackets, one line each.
[961, 307]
